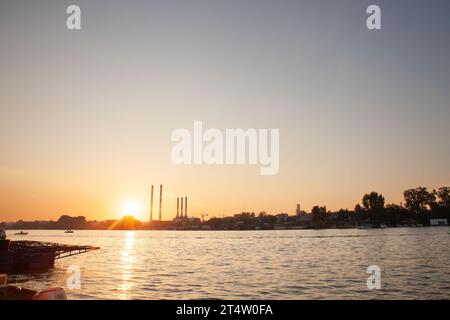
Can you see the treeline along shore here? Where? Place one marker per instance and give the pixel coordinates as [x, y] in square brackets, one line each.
[421, 207]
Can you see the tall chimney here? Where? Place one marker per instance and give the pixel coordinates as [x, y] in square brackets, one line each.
[151, 205]
[185, 207]
[182, 207]
[160, 201]
[178, 207]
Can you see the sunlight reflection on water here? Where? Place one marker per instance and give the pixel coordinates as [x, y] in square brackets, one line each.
[127, 263]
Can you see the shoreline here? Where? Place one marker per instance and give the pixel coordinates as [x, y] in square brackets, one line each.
[211, 230]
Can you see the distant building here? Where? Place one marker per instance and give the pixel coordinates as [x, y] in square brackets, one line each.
[245, 215]
[298, 212]
[304, 218]
[282, 218]
[438, 222]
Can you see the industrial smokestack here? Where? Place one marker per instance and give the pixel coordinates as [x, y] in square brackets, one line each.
[182, 207]
[151, 205]
[178, 207]
[160, 201]
[185, 207]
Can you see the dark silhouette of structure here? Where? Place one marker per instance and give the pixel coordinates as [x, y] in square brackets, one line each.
[151, 205]
[160, 202]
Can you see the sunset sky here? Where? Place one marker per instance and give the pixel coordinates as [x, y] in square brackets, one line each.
[86, 116]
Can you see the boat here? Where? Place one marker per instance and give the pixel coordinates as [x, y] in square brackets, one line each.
[21, 233]
[8, 292]
[24, 257]
[68, 231]
[57, 293]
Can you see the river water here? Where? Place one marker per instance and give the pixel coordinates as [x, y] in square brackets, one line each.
[281, 264]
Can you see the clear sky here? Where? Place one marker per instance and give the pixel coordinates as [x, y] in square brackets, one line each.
[86, 116]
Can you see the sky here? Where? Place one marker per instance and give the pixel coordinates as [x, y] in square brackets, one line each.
[86, 115]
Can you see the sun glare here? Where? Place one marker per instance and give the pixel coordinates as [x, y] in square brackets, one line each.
[131, 208]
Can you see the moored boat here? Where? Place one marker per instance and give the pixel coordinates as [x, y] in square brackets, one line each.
[22, 257]
[8, 292]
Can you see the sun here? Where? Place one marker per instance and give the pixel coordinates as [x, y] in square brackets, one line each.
[131, 207]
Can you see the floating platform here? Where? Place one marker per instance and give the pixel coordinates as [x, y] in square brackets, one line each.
[59, 250]
[24, 257]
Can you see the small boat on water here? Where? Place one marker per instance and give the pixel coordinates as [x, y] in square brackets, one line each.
[21, 233]
[68, 231]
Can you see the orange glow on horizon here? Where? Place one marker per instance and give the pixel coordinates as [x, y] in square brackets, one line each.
[132, 207]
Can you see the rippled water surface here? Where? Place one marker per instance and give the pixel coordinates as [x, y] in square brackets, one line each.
[284, 264]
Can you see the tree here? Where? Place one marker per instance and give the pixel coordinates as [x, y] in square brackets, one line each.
[360, 213]
[443, 195]
[319, 213]
[395, 214]
[373, 201]
[419, 200]
[68, 222]
[373, 204]
[441, 208]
